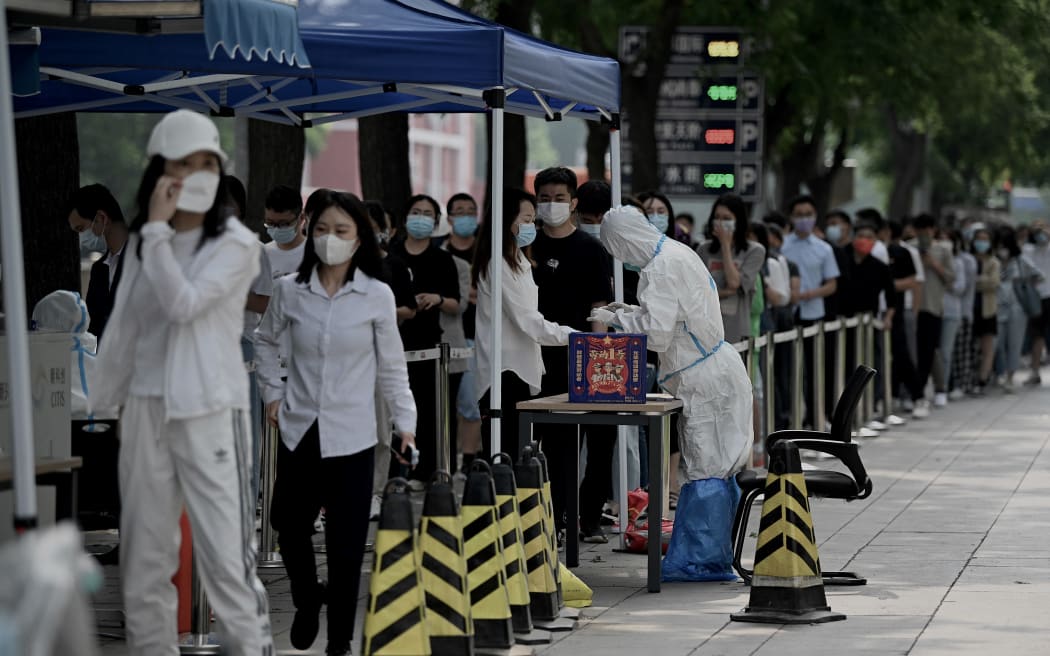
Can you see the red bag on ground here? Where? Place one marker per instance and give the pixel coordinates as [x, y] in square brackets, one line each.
[637, 536]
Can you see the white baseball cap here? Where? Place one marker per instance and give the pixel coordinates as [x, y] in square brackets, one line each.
[183, 133]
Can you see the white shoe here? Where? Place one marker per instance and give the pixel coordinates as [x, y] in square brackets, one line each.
[1008, 386]
[940, 399]
[877, 425]
[377, 507]
[921, 409]
[319, 523]
[908, 405]
[894, 420]
[866, 432]
[956, 394]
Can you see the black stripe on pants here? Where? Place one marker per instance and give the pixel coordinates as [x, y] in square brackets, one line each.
[305, 483]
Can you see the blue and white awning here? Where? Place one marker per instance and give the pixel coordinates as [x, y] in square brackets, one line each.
[263, 29]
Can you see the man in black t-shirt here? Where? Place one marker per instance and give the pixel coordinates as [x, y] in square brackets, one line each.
[572, 274]
[902, 267]
[866, 277]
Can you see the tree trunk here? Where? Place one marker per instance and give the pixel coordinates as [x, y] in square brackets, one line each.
[382, 149]
[597, 146]
[275, 157]
[46, 182]
[909, 163]
[640, 96]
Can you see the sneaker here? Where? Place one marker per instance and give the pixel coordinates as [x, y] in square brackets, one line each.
[940, 399]
[319, 523]
[593, 536]
[956, 394]
[416, 485]
[377, 507]
[894, 420]
[560, 536]
[921, 409]
[338, 649]
[1033, 381]
[908, 405]
[866, 432]
[877, 425]
[1008, 386]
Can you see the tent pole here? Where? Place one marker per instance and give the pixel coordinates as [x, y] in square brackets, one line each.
[622, 433]
[16, 321]
[496, 102]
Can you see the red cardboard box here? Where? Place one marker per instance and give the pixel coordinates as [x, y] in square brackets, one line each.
[607, 368]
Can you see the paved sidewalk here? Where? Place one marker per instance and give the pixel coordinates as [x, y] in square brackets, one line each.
[954, 541]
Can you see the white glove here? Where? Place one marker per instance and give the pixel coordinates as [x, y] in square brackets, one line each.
[601, 315]
[626, 307]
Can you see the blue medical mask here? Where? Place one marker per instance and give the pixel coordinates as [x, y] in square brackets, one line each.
[419, 226]
[592, 229]
[526, 234]
[804, 224]
[464, 226]
[981, 245]
[833, 233]
[284, 234]
[89, 241]
[659, 221]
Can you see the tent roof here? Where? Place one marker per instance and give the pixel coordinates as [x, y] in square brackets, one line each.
[367, 57]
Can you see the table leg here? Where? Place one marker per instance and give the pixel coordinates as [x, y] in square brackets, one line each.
[524, 437]
[659, 431]
[572, 505]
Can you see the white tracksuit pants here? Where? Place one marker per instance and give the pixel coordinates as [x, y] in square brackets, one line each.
[205, 464]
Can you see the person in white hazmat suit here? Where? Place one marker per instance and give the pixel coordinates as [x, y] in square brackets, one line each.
[680, 314]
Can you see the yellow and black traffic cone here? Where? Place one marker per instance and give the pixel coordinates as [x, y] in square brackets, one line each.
[787, 587]
[490, 603]
[543, 592]
[444, 571]
[394, 621]
[514, 552]
[564, 611]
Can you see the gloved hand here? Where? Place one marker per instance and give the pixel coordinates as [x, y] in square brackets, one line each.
[601, 315]
[626, 307]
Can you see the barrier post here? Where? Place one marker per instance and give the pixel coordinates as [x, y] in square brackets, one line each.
[444, 427]
[869, 359]
[200, 639]
[768, 376]
[819, 416]
[887, 371]
[268, 556]
[840, 358]
[858, 357]
[796, 392]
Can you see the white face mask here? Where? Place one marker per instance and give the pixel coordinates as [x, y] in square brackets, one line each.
[198, 192]
[553, 214]
[333, 250]
[592, 229]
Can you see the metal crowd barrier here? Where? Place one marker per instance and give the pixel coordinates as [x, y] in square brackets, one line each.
[442, 355]
[863, 328]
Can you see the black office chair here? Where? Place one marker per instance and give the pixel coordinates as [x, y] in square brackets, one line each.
[823, 483]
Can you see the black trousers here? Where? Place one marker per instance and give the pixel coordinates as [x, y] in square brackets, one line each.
[904, 372]
[513, 390]
[421, 380]
[927, 343]
[808, 375]
[342, 485]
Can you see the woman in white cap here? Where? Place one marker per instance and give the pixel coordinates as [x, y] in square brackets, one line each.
[174, 366]
[679, 312]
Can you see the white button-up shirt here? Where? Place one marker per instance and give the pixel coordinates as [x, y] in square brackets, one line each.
[523, 329]
[340, 345]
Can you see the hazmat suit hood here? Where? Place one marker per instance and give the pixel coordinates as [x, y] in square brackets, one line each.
[62, 311]
[629, 236]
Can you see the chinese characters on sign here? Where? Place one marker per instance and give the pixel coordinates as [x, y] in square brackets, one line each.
[708, 126]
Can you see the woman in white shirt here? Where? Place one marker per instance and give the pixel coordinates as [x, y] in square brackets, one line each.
[174, 366]
[343, 326]
[522, 326]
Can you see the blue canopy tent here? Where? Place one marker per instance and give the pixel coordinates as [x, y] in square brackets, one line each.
[257, 30]
[367, 57]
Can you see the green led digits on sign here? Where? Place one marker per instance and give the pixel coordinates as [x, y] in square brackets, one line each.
[716, 180]
[722, 92]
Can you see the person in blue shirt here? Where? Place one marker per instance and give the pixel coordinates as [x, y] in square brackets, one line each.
[818, 272]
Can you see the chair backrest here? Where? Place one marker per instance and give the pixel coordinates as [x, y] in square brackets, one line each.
[842, 420]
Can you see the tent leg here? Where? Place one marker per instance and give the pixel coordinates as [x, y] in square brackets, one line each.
[496, 102]
[622, 433]
[15, 302]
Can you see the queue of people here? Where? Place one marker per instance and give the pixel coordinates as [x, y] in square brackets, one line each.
[344, 288]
